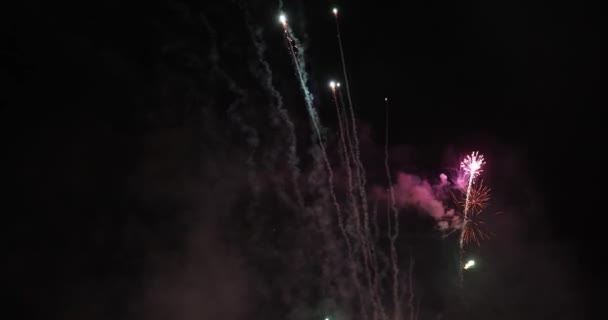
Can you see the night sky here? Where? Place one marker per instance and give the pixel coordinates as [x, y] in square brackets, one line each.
[149, 177]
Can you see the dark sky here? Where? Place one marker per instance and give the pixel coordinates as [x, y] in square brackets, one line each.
[148, 174]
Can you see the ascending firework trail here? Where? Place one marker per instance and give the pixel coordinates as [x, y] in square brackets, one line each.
[350, 101]
[360, 169]
[345, 147]
[392, 234]
[368, 251]
[298, 60]
[366, 244]
[333, 85]
[298, 63]
[471, 165]
[265, 76]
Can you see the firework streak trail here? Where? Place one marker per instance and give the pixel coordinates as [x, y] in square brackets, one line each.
[348, 169]
[266, 78]
[298, 63]
[411, 289]
[298, 60]
[346, 125]
[368, 250]
[369, 254]
[342, 135]
[346, 154]
[351, 153]
[472, 167]
[392, 234]
[361, 175]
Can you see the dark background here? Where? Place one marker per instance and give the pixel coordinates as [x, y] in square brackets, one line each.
[110, 110]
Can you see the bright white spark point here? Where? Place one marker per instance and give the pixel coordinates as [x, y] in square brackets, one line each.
[332, 84]
[338, 84]
[335, 12]
[283, 19]
[469, 264]
[385, 99]
[472, 164]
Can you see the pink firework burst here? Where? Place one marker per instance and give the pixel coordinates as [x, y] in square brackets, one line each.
[472, 164]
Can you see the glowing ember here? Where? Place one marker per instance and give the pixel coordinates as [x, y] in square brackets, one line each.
[469, 264]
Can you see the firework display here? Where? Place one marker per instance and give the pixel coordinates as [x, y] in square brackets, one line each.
[301, 160]
[368, 263]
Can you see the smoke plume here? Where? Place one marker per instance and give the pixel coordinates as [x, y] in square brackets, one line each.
[412, 191]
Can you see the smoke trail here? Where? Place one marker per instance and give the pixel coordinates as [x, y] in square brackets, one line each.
[252, 135]
[350, 103]
[411, 287]
[360, 170]
[299, 64]
[348, 172]
[351, 154]
[331, 254]
[392, 235]
[359, 204]
[368, 252]
[347, 126]
[302, 77]
[347, 151]
[343, 140]
[248, 131]
[266, 78]
[376, 234]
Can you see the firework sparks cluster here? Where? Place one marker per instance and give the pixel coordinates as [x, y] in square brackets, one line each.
[479, 198]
